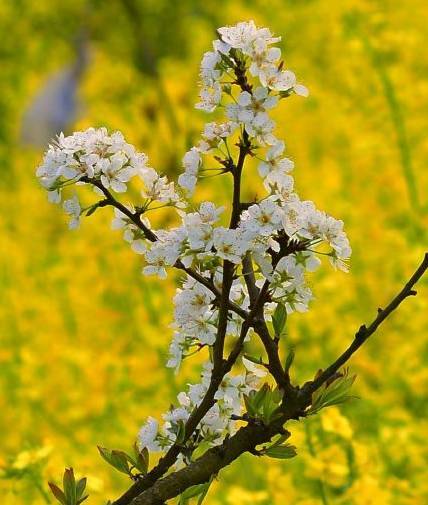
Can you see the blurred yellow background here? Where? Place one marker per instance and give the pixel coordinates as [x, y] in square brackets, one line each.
[83, 336]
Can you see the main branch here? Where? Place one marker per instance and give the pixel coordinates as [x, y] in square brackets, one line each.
[252, 435]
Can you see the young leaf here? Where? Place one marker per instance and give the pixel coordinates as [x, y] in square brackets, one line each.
[286, 451]
[205, 492]
[279, 319]
[181, 432]
[141, 459]
[57, 492]
[191, 492]
[105, 454]
[248, 400]
[259, 398]
[280, 440]
[335, 393]
[69, 486]
[80, 487]
[120, 461]
[117, 459]
[92, 209]
[201, 449]
[289, 360]
[257, 361]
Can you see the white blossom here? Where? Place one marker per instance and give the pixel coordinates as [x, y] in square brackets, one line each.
[274, 161]
[260, 128]
[214, 133]
[229, 244]
[263, 218]
[276, 230]
[147, 435]
[209, 98]
[73, 209]
[251, 105]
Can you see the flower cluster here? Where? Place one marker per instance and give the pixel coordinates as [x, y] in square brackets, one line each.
[96, 157]
[217, 422]
[245, 42]
[281, 234]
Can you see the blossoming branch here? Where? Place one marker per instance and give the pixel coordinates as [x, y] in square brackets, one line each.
[242, 280]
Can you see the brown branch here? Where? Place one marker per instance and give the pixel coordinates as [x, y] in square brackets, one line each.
[221, 367]
[247, 438]
[155, 490]
[271, 346]
[200, 471]
[258, 297]
[151, 236]
[210, 285]
[228, 267]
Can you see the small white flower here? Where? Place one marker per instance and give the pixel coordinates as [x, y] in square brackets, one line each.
[187, 182]
[251, 105]
[243, 36]
[275, 161]
[262, 218]
[280, 185]
[209, 72]
[164, 252]
[263, 56]
[229, 244]
[148, 434]
[214, 133]
[115, 172]
[73, 209]
[239, 36]
[209, 98]
[279, 80]
[261, 129]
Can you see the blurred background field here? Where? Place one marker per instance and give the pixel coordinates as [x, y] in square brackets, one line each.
[83, 336]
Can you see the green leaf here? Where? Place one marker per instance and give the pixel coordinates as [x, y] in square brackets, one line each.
[105, 454]
[257, 361]
[181, 433]
[120, 461]
[92, 209]
[335, 393]
[248, 400]
[286, 451]
[289, 360]
[57, 492]
[279, 319]
[141, 459]
[191, 492]
[270, 405]
[259, 397]
[80, 487]
[69, 485]
[205, 492]
[201, 449]
[280, 440]
[117, 459]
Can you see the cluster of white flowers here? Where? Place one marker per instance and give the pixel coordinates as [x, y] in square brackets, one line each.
[282, 234]
[94, 155]
[217, 423]
[252, 45]
[196, 317]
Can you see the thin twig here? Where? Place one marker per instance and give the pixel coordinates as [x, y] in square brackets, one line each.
[365, 332]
